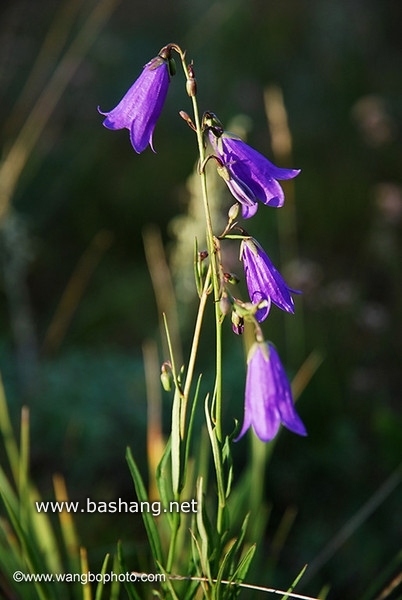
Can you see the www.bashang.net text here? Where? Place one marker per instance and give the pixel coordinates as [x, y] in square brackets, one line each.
[116, 506]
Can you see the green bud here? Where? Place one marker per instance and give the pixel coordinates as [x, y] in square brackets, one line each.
[166, 378]
[225, 304]
[231, 278]
[233, 212]
[172, 66]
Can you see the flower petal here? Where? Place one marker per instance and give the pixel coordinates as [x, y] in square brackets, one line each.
[264, 417]
[251, 169]
[256, 171]
[268, 396]
[284, 402]
[264, 282]
[140, 108]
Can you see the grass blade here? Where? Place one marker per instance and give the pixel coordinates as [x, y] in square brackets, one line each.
[149, 522]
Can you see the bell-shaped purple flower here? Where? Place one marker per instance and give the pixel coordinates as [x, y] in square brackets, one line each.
[248, 170]
[264, 282]
[268, 401]
[140, 108]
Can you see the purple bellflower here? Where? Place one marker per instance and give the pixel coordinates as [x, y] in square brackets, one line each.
[264, 282]
[249, 175]
[268, 401]
[140, 108]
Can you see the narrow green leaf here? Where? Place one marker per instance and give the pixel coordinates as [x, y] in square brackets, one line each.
[67, 526]
[45, 535]
[100, 586]
[36, 528]
[191, 589]
[223, 564]
[8, 436]
[117, 563]
[216, 454]
[197, 269]
[168, 583]
[30, 555]
[295, 582]
[7, 492]
[197, 556]
[148, 519]
[190, 424]
[86, 588]
[227, 458]
[243, 567]
[171, 355]
[129, 587]
[204, 548]
[239, 541]
[163, 478]
[23, 491]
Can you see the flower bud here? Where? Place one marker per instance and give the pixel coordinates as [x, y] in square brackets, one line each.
[191, 83]
[187, 119]
[233, 212]
[237, 323]
[225, 304]
[231, 278]
[166, 377]
[172, 67]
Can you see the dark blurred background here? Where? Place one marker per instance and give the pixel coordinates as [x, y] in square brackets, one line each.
[76, 298]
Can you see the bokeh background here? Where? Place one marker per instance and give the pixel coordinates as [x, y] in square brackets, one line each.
[77, 302]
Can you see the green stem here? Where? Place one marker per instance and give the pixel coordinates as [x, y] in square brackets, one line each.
[196, 339]
[212, 256]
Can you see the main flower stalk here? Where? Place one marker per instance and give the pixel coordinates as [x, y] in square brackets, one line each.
[191, 90]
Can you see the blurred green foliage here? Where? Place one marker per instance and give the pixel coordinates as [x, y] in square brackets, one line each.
[338, 66]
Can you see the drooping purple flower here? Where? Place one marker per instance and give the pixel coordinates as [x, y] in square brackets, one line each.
[268, 398]
[264, 282]
[251, 176]
[140, 108]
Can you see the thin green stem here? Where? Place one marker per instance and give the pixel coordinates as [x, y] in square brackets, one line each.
[196, 339]
[212, 256]
[213, 277]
